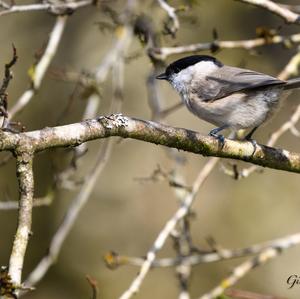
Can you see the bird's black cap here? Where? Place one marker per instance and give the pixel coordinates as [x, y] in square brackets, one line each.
[181, 64]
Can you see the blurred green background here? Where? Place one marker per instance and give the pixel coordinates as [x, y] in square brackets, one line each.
[124, 214]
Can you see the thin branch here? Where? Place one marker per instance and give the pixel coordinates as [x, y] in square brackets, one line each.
[3, 89]
[94, 286]
[292, 68]
[7, 72]
[248, 44]
[294, 8]
[171, 11]
[37, 202]
[70, 217]
[102, 158]
[114, 260]
[181, 235]
[289, 125]
[55, 8]
[72, 214]
[4, 4]
[63, 179]
[168, 228]
[119, 49]
[42, 66]
[113, 59]
[244, 268]
[277, 9]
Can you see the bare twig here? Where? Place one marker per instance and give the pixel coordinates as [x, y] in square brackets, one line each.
[113, 260]
[63, 179]
[114, 61]
[289, 125]
[103, 156]
[37, 202]
[181, 235]
[4, 4]
[93, 283]
[294, 8]
[42, 66]
[283, 12]
[7, 72]
[183, 247]
[244, 268]
[38, 273]
[171, 11]
[4, 86]
[119, 49]
[168, 228]
[70, 217]
[292, 68]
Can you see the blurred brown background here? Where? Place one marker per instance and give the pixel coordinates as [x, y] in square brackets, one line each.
[124, 214]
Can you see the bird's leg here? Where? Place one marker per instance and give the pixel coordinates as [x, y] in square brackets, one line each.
[249, 135]
[248, 138]
[214, 133]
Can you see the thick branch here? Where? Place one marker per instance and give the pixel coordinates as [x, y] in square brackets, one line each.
[26, 186]
[182, 139]
[55, 8]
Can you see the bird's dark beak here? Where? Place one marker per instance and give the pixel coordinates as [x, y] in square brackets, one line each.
[162, 76]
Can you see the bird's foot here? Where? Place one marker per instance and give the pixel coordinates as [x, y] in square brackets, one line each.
[220, 137]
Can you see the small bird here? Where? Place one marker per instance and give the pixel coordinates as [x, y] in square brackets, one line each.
[228, 97]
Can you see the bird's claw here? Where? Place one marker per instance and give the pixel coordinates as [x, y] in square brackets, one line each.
[220, 138]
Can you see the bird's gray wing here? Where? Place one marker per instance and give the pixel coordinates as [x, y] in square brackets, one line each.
[227, 80]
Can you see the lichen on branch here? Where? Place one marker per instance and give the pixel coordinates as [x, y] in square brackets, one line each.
[153, 132]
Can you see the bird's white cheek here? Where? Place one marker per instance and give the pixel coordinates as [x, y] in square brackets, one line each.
[180, 81]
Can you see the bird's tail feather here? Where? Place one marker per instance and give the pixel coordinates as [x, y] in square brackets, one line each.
[292, 83]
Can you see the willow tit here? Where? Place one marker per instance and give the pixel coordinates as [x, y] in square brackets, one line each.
[226, 96]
